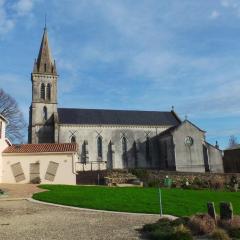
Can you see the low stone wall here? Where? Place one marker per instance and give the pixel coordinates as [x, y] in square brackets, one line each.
[179, 177]
[149, 177]
[118, 177]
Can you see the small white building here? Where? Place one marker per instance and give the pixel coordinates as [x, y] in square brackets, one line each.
[4, 143]
[46, 163]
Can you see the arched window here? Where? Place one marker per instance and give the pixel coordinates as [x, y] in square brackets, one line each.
[135, 154]
[99, 147]
[73, 139]
[48, 91]
[124, 145]
[42, 91]
[124, 152]
[45, 67]
[45, 113]
[147, 149]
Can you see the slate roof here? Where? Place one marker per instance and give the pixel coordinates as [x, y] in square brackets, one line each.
[40, 148]
[116, 117]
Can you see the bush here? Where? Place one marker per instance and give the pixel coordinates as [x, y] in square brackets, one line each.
[166, 229]
[160, 234]
[217, 182]
[201, 224]
[163, 222]
[36, 180]
[232, 226]
[182, 233]
[234, 232]
[234, 223]
[219, 234]
[153, 183]
[181, 220]
[142, 174]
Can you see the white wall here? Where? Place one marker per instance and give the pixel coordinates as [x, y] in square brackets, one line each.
[65, 173]
[3, 144]
[113, 133]
[215, 159]
[189, 159]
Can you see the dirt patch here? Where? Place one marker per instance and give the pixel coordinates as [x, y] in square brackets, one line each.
[19, 190]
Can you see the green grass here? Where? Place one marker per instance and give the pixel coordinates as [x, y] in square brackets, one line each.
[176, 202]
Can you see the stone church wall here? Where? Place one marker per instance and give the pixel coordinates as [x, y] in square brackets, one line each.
[189, 158]
[136, 152]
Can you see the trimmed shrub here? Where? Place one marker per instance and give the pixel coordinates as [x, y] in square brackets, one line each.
[142, 174]
[181, 233]
[201, 224]
[234, 232]
[36, 180]
[217, 183]
[181, 220]
[166, 229]
[163, 222]
[232, 226]
[220, 234]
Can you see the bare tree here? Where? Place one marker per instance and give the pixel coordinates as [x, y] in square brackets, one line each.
[10, 110]
[232, 141]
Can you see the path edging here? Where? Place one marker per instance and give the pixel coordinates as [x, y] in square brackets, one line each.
[97, 210]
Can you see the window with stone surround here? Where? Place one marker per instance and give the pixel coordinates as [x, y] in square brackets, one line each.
[73, 139]
[99, 147]
[42, 91]
[45, 113]
[48, 91]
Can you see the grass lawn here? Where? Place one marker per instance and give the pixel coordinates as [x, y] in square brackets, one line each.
[176, 202]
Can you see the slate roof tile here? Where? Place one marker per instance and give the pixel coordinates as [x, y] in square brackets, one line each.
[116, 117]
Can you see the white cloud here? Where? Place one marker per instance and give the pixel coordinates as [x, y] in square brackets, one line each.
[8, 20]
[6, 24]
[214, 14]
[23, 7]
[233, 5]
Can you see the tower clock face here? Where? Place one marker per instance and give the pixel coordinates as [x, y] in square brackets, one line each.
[188, 141]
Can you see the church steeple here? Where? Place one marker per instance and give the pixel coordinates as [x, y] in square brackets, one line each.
[44, 63]
[43, 110]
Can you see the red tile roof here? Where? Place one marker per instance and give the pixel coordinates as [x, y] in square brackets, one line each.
[44, 147]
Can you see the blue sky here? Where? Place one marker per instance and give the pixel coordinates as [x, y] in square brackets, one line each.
[131, 54]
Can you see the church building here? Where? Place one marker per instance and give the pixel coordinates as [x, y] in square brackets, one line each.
[66, 143]
[115, 139]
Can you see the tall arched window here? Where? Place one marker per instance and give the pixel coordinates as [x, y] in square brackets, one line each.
[45, 113]
[42, 91]
[135, 154]
[124, 145]
[48, 91]
[147, 149]
[124, 152]
[99, 147]
[73, 139]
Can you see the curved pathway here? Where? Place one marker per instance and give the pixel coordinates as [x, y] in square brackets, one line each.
[22, 219]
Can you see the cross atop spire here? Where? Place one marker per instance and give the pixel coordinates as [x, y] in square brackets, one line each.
[44, 62]
[45, 26]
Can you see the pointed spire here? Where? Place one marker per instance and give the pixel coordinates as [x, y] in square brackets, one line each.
[44, 62]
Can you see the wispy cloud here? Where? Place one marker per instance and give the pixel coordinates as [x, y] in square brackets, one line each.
[122, 54]
[214, 14]
[23, 7]
[6, 24]
[10, 12]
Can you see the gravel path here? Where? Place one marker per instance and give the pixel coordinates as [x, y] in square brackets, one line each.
[22, 219]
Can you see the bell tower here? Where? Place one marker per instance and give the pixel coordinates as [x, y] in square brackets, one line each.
[43, 110]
